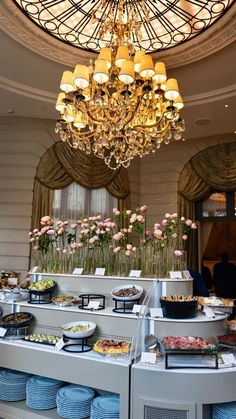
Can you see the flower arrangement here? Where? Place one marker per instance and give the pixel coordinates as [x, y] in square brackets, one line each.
[118, 243]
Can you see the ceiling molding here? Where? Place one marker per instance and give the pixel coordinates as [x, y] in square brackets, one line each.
[45, 96]
[20, 28]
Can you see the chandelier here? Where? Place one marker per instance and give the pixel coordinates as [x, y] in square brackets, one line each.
[122, 105]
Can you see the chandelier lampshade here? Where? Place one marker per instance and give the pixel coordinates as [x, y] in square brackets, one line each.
[122, 105]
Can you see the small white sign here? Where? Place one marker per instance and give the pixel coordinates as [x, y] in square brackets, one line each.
[78, 271]
[93, 305]
[59, 345]
[148, 357]
[138, 309]
[12, 281]
[175, 274]
[228, 359]
[156, 312]
[2, 332]
[186, 275]
[209, 312]
[134, 274]
[100, 271]
[34, 269]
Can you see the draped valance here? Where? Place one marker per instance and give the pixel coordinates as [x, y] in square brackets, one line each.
[61, 165]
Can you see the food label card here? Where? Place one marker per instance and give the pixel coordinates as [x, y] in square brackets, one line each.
[59, 345]
[93, 305]
[134, 274]
[228, 359]
[175, 275]
[100, 271]
[156, 312]
[78, 271]
[2, 332]
[12, 281]
[148, 357]
[209, 312]
[138, 309]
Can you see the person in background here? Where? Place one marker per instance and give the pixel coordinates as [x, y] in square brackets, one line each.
[224, 277]
[207, 276]
[199, 286]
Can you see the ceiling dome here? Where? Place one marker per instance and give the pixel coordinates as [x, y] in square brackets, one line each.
[169, 23]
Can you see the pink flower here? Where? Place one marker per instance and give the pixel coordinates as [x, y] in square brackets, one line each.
[74, 226]
[157, 233]
[140, 218]
[134, 249]
[133, 218]
[174, 235]
[164, 222]
[51, 232]
[185, 237]
[31, 240]
[118, 236]
[167, 215]
[188, 222]
[143, 208]
[36, 247]
[194, 226]
[174, 215]
[44, 229]
[182, 218]
[177, 253]
[60, 231]
[128, 212]
[44, 220]
[64, 251]
[129, 246]
[92, 240]
[128, 253]
[35, 230]
[157, 225]
[117, 249]
[30, 233]
[148, 233]
[74, 245]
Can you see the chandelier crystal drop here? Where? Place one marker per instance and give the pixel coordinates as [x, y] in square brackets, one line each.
[122, 105]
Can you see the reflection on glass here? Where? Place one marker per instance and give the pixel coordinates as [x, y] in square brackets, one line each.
[215, 205]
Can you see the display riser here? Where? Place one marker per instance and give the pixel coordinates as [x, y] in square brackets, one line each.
[191, 390]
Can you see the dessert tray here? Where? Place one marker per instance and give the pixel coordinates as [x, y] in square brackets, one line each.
[42, 338]
[112, 347]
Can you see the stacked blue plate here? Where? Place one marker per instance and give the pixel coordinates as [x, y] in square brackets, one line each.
[13, 385]
[74, 402]
[224, 411]
[41, 392]
[105, 407]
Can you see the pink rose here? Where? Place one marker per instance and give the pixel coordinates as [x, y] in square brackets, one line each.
[167, 215]
[188, 222]
[44, 229]
[64, 251]
[177, 253]
[128, 253]
[36, 247]
[129, 246]
[157, 233]
[185, 237]
[31, 240]
[117, 249]
[157, 225]
[92, 240]
[74, 245]
[182, 218]
[148, 233]
[194, 226]
[60, 231]
[164, 222]
[74, 226]
[44, 220]
[51, 232]
[140, 218]
[174, 215]
[35, 230]
[174, 235]
[134, 249]
[143, 208]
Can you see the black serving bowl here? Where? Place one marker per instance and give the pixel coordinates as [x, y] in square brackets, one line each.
[42, 292]
[179, 309]
[13, 320]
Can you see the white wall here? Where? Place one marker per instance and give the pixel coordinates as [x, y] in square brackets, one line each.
[22, 143]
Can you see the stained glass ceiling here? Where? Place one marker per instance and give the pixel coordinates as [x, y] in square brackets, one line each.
[170, 22]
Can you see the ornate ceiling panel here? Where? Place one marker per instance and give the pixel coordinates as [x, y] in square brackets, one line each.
[170, 22]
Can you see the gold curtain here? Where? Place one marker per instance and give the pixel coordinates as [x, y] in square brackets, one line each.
[61, 165]
[211, 169]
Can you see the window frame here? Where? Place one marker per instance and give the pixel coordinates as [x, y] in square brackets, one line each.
[230, 208]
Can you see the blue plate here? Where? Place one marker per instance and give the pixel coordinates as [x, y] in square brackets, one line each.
[44, 381]
[76, 393]
[105, 404]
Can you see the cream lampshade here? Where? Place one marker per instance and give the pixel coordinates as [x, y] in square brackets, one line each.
[160, 72]
[78, 121]
[178, 103]
[172, 89]
[67, 84]
[127, 72]
[105, 54]
[147, 68]
[121, 56]
[81, 76]
[60, 105]
[100, 74]
[137, 60]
